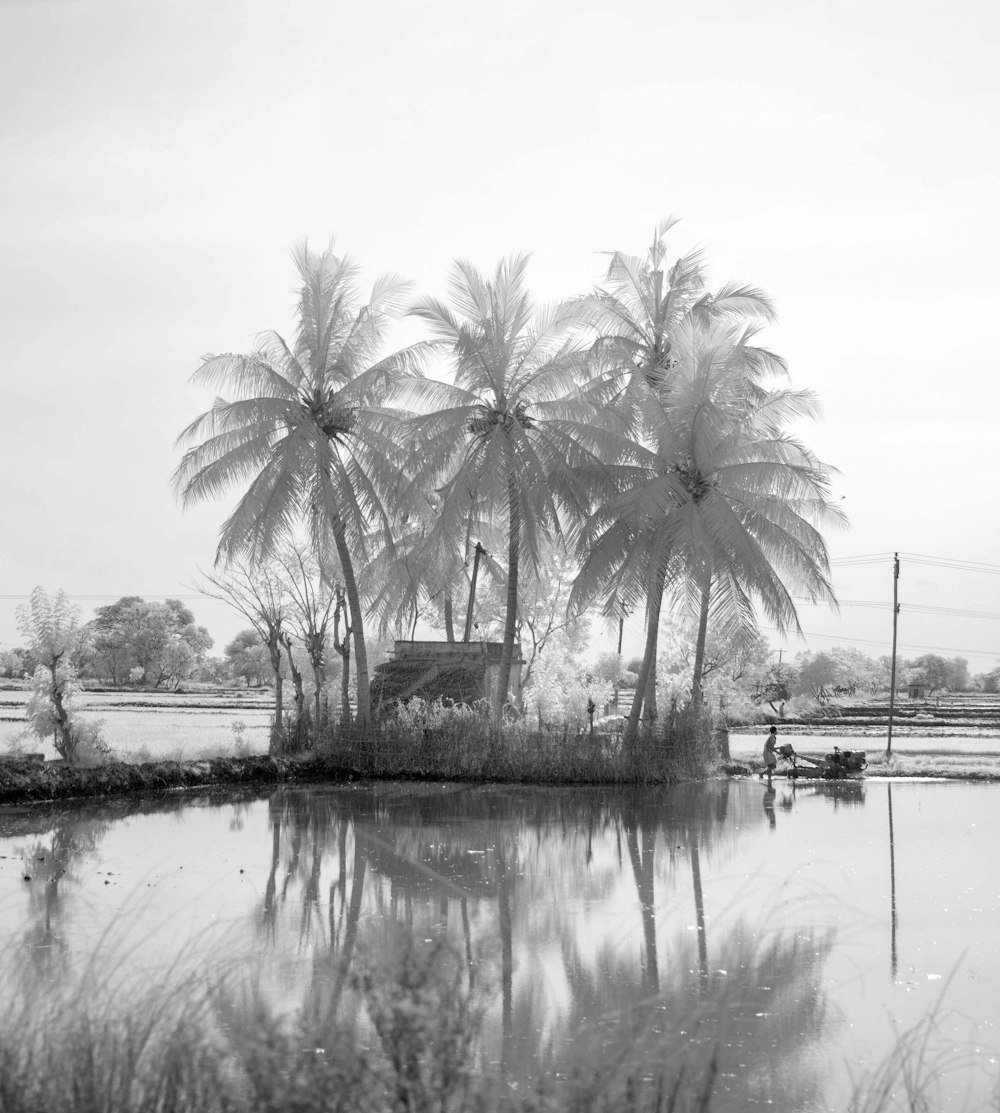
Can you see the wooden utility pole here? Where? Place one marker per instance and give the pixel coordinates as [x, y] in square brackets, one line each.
[621, 628]
[892, 669]
[480, 551]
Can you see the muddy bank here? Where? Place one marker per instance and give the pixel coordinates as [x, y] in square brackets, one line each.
[23, 781]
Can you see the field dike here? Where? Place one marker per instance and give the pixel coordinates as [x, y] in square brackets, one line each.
[23, 781]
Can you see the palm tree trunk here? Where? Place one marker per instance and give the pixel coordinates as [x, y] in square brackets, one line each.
[449, 618]
[357, 624]
[649, 655]
[353, 919]
[649, 699]
[510, 626]
[699, 648]
[699, 915]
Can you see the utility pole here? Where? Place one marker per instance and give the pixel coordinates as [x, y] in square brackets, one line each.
[621, 630]
[892, 670]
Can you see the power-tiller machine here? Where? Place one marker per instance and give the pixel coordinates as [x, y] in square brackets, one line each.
[837, 766]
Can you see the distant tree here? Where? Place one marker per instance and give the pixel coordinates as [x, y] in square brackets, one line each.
[818, 673]
[883, 674]
[12, 662]
[856, 670]
[958, 675]
[931, 670]
[987, 682]
[248, 658]
[161, 639]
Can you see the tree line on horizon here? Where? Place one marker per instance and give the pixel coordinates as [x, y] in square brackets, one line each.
[642, 427]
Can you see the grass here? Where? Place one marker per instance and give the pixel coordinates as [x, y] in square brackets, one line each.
[404, 1033]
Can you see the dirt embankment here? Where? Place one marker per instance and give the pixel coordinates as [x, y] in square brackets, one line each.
[25, 781]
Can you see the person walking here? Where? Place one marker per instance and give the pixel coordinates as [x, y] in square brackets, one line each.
[770, 753]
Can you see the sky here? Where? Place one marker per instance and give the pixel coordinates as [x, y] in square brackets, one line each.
[160, 158]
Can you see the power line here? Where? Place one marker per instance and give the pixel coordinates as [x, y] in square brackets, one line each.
[922, 608]
[993, 655]
[126, 595]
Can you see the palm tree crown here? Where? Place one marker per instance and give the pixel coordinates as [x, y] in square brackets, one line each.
[722, 505]
[306, 433]
[512, 440]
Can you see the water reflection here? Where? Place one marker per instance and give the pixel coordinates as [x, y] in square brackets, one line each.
[569, 966]
[594, 931]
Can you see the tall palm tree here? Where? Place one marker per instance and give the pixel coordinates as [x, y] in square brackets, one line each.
[512, 439]
[721, 511]
[636, 314]
[306, 433]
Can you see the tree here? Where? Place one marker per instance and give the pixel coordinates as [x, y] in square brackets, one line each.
[312, 596]
[511, 441]
[644, 301]
[718, 513]
[12, 662]
[939, 674]
[258, 594]
[161, 639]
[309, 430]
[52, 630]
[637, 315]
[248, 657]
[817, 673]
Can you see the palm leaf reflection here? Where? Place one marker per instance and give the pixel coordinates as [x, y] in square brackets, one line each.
[563, 916]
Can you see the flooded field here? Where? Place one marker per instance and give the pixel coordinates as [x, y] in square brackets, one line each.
[791, 936]
[158, 725]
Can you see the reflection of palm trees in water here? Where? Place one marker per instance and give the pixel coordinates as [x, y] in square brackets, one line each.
[514, 872]
[642, 869]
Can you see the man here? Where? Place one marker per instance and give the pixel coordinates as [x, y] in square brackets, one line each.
[770, 754]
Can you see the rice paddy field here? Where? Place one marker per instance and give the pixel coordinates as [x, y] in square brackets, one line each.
[142, 726]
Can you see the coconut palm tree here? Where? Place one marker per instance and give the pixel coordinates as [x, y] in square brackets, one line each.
[512, 439]
[636, 313]
[720, 513]
[642, 303]
[307, 434]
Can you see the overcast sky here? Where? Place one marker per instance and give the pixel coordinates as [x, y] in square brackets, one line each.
[159, 157]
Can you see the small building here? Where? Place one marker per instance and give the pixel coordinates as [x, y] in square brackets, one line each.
[460, 671]
[916, 691]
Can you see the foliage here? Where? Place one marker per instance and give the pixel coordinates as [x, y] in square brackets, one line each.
[13, 663]
[306, 434]
[248, 658]
[939, 674]
[719, 515]
[161, 640]
[509, 445]
[52, 630]
[564, 687]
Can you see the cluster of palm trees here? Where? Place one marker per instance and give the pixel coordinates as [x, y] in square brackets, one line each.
[639, 424]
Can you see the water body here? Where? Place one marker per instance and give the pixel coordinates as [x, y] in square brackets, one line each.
[798, 930]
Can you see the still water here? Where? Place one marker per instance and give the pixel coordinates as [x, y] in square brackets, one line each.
[801, 930]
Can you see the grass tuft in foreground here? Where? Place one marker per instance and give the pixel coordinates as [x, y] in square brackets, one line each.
[409, 1032]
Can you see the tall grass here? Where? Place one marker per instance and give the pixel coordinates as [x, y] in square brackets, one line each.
[405, 1034]
[435, 740]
